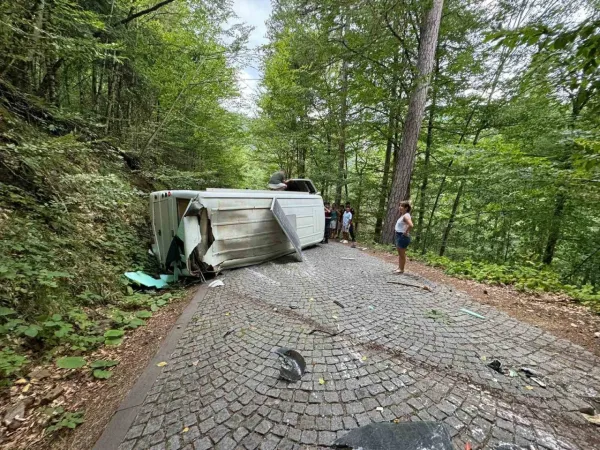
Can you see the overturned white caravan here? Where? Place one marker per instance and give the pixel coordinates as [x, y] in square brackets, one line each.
[206, 231]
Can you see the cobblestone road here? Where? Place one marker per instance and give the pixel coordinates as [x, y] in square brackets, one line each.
[393, 359]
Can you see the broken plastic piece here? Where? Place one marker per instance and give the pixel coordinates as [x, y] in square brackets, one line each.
[146, 280]
[292, 364]
[474, 314]
[398, 436]
[538, 382]
[530, 372]
[216, 283]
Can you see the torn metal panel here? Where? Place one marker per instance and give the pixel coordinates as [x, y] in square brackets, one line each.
[286, 226]
[190, 227]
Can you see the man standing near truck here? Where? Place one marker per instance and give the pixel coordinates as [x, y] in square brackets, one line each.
[277, 181]
[327, 224]
[351, 230]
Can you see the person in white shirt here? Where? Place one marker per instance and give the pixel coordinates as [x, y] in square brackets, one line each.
[346, 223]
[403, 227]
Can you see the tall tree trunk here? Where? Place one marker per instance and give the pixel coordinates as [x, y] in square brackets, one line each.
[341, 178]
[452, 217]
[421, 209]
[412, 126]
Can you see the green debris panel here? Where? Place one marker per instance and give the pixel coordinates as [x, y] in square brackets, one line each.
[143, 279]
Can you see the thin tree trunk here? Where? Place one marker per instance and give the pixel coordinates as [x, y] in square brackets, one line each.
[412, 126]
[161, 124]
[553, 236]
[391, 131]
[386, 175]
[452, 217]
[421, 209]
[341, 178]
[433, 209]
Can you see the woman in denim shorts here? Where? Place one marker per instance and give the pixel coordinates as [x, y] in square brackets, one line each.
[403, 227]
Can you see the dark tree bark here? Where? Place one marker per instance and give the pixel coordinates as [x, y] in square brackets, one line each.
[144, 12]
[554, 234]
[341, 175]
[412, 126]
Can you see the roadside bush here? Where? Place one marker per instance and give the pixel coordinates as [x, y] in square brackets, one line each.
[529, 276]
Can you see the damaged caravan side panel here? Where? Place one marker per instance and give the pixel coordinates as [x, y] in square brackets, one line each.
[197, 231]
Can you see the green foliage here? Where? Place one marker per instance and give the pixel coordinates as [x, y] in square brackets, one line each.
[102, 374]
[61, 419]
[103, 363]
[71, 362]
[113, 337]
[11, 362]
[530, 277]
[97, 112]
[143, 314]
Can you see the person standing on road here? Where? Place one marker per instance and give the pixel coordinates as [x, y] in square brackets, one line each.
[351, 230]
[403, 227]
[347, 222]
[327, 224]
[277, 181]
[340, 221]
[333, 223]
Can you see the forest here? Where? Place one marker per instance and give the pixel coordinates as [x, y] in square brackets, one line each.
[502, 169]
[484, 114]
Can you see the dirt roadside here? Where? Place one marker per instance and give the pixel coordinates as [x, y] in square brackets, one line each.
[557, 314]
[98, 399]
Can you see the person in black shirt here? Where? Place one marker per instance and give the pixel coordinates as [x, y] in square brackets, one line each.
[327, 223]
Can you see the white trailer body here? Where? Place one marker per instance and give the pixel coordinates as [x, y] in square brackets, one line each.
[216, 229]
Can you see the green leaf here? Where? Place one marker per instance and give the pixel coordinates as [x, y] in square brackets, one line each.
[143, 314]
[56, 317]
[113, 341]
[103, 363]
[32, 330]
[135, 322]
[113, 334]
[102, 374]
[4, 311]
[71, 362]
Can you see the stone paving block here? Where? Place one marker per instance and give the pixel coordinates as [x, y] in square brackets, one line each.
[390, 356]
